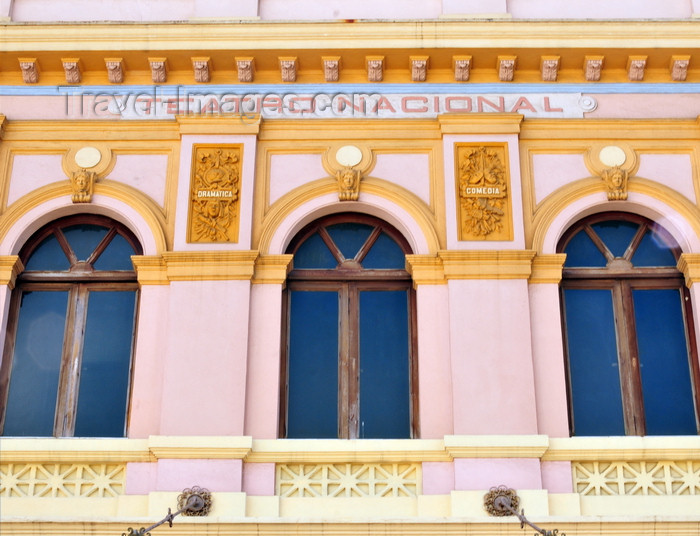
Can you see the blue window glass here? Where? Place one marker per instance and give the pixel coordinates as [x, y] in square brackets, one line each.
[313, 365]
[48, 256]
[105, 364]
[663, 362]
[653, 251]
[116, 256]
[384, 375]
[628, 332]
[581, 251]
[36, 364]
[349, 237]
[314, 253]
[385, 254]
[83, 239]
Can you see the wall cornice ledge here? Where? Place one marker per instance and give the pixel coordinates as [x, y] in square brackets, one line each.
[80, 450]
[200, 447]
[496, 446]
[623, 448]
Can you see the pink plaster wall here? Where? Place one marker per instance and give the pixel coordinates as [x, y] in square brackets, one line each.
[411, 171]
[485, 473]
[434, 373]
[149, 362]
[473, 7]
[552, 171]
[438, 478]
[264, 351]
[146, 173]
[348, 9]
[289, 171]
[556, 477]
[599, 9]
[259, 478]
[492, 371]
[30, 172]
[548, 360]
[205, 364]
[630, 105]
[673, 170]
[176, 475]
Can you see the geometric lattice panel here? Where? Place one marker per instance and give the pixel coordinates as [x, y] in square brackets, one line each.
[61, 480]
[637, 478]
[349, 480]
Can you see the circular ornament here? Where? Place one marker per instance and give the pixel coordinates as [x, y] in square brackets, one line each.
[348, 155]
[88, 157]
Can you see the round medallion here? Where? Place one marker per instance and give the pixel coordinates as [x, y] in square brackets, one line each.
[88, 157]
[612, 156]
[348, 155]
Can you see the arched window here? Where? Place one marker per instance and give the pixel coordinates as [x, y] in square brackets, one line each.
[630, 344]
[67, 358]
[348, 363]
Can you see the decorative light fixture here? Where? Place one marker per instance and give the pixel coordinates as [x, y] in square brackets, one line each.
[503, 501]
[194, 501]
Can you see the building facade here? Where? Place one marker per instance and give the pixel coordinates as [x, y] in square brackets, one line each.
[350, 266]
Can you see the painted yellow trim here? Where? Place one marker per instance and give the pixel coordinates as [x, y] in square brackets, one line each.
[10, 268]
[630, 130]
[622, 448]
[60, 450]
[3, 123]
[425, 270]
[150, 270]
[91, 131]
[347, 450]
[689, 264]
[547, 268]
[239, 124]
[323, 36]
[480, 123]
[272, 269]
[487, 264]
[209, 265]
[501, 446]
[200, 447]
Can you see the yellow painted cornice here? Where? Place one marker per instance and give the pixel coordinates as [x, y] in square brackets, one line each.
[350, 129]
[68, 130]
[487, 264]
[689, 264]
[610, 129]
[272, 269]
[245, 36]
[623, 448]
[425, 270]
[195, 266]
[501, 446]
[480, 123]
[547, 268]
[231, 125]
[189, 447]
[10, 268]
[3, 121]
[347, 450]
[60, 450]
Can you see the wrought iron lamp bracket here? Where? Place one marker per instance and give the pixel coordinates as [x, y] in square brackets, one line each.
[503, 501]
[194, 501]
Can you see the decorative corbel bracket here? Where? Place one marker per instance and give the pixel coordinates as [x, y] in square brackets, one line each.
[115, 70]
[679, 68]
[348, 184]
[331, 68]
[71, 68]
[506, 68]
[348, 164]
[30, 70]
[419, 68]
[549, 68]
[83, 184]
[462, 67]
[592, 68]
[615, 179]
[375, 68]
[635, 68]
[288, 69]
[202, 68]
[246, 69]
[159, 70]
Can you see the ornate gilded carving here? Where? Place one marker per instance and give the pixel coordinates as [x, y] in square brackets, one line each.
[419, 69]
[635, 68]
[159, 71]
[246, 69]
[679, 68]
[462, 66]
[215, 188]
[30, 70]
[593, 67]
[482, 185]
[506, 68]
[348, 184]
[615, 179]
[115, 70]
[201, 70]
[375, 68]
[83, 184]
[71, 68]
[550, 68]
[497, 497]
[331, 68]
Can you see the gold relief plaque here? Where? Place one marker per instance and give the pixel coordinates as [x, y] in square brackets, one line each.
[483, 190]
[214, 193]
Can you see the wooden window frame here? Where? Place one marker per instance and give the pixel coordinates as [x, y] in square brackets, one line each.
[621, 278]
[349, 279]
[78, 281]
